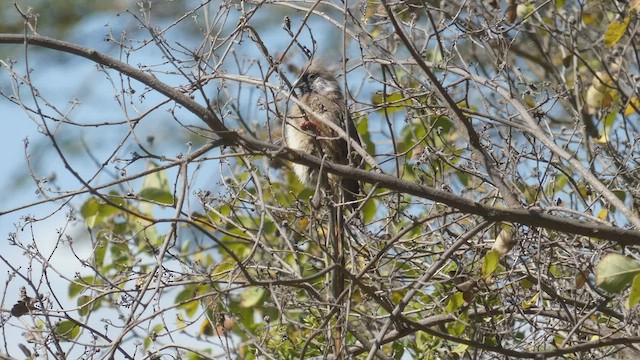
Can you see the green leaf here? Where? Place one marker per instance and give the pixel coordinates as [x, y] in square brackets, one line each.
[634, 294]
[456, 328]
[398, 349]
[157, 195]
[99, 252]
[156, 187]
[615, 31]
[614, 272]
[76, 287]
[153, 335]
[369, 210]
[95, 211]
[252, 297]
[455, 302]
[460, 349]
[391, 102]
[222, 270]
[556, 185]
[86, 305]
[363, 130]
[190, 307]
[490, 263]
[67, 330]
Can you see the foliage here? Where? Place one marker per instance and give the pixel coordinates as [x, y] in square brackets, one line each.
[498, 218]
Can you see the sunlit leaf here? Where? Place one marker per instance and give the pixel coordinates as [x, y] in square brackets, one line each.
[634, 103]
[389, 103]
[615, 31]
[455, 302]
[252, 296]
[460, 349]
[363, 130]
[369, 210]
[222, 270]
[525, 9]
[602, 214]
[634, 293]
[490, 263]
[614, 272]
[156, 187]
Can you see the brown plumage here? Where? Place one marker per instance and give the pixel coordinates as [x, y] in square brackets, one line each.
[320, 91]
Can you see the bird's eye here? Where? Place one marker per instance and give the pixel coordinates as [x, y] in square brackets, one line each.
[312, 77]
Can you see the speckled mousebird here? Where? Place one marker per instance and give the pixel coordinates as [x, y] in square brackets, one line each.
[308, 132]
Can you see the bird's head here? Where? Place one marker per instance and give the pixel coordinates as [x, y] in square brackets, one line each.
[319, 81]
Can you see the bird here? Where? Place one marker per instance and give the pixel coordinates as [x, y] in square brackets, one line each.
[320, 92]
[308, 132]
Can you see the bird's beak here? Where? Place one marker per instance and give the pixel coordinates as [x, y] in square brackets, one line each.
[301, 86]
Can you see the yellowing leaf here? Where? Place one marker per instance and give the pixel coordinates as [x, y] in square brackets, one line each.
[303, 224]
[603, 214]
[615, 31]
[634, 103]
[529, 303]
